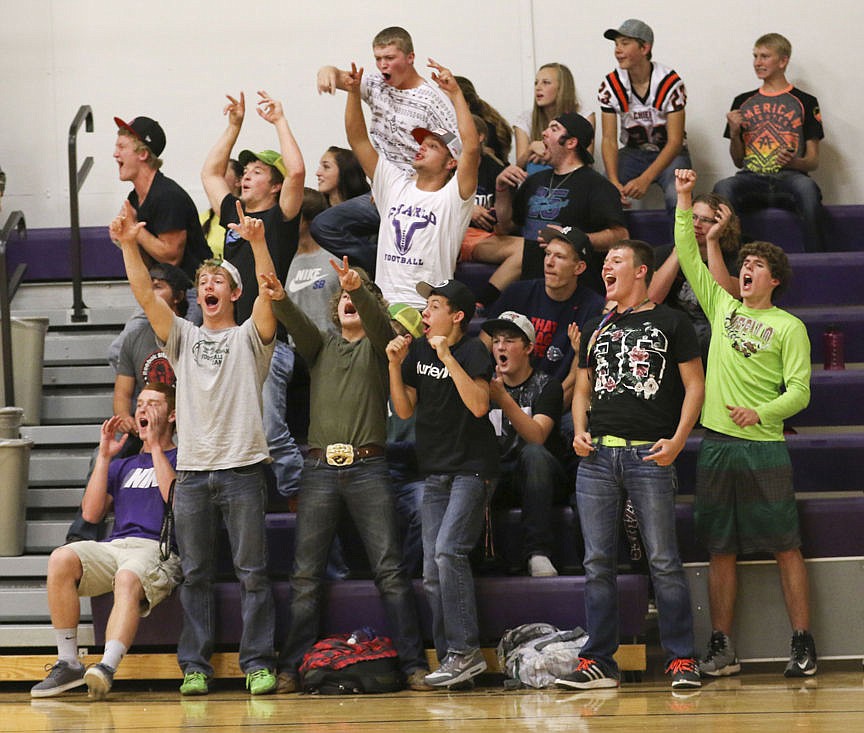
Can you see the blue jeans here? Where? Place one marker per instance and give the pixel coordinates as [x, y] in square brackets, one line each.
[350, 228]
[287, 459]
[747, 191]
[364, 489]
[240, 495]
[408, 496]
[452, 516]
[537, 480]
[633, 162]
[603, 480]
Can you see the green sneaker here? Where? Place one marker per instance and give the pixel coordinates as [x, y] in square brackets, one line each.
[261, 682]
[195, 683]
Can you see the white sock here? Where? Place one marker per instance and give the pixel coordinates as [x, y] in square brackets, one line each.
[114, 652]
[67, 646]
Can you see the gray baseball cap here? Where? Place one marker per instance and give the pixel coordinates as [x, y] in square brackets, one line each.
[632, 28]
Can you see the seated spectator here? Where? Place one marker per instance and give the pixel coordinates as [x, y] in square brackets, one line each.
[346, 465]
[498, 137]
[774, 133]
[526, 409]
[423, 218]
[558, 305]
[718, 230]
[554, 95]
[311, 281]
[340, 176]
[399, 100]
[571, 194]
[142, 360]
[480, 243]
[649, 100]
[213, 230]
[137, 561]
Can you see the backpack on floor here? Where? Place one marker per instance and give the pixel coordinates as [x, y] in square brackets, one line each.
[534, 655]
[335, 667]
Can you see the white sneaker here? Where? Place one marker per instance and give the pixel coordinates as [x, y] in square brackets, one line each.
[540, 566]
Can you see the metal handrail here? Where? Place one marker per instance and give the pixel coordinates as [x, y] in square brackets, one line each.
[77, 176]
[15, 222]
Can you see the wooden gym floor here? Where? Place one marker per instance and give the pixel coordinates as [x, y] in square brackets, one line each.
[759, 700]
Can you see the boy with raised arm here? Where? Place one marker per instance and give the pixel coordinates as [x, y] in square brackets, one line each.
[220, 370]
[271, 190]
[346, 465]
[758, 375]
[444, 377]
[424, 217]
[399, 100]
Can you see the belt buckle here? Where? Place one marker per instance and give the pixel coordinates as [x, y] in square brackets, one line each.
[339, 454]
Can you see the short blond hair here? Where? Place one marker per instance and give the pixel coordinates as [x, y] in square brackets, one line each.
[775, 42]
[141, 147]
[395, 36]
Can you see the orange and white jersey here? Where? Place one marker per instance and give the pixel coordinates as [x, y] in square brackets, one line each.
[643, 121]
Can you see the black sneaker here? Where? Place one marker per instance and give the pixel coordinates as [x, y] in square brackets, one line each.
[685, 674]
[588, 675]
[802, 662]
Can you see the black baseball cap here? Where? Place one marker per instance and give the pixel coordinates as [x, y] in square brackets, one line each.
[147, 130]
[576, 238]
[458, 293]
[577, 126]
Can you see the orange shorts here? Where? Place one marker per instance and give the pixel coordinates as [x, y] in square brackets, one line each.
[473, 236]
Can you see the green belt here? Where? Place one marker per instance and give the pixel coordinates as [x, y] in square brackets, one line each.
[613, 441]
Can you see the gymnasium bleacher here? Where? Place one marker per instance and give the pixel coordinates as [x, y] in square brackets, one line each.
[826, 443]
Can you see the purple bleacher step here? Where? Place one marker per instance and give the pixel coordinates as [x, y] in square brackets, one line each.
[502, 603]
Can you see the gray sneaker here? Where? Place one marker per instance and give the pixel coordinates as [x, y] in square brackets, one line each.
[61, 677]
[457, 668]
[99, 679]
[721, 660]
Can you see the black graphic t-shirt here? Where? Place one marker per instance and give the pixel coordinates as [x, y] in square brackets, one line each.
[637, 389]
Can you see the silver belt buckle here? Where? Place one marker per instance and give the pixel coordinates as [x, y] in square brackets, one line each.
[339, 454]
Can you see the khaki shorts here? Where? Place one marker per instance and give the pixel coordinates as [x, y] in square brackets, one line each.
[102, 560]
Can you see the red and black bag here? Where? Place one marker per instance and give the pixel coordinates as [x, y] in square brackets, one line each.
[335, 667]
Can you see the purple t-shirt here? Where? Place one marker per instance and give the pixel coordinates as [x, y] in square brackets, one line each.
[138, 503]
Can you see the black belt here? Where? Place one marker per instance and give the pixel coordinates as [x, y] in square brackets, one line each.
[343, 454]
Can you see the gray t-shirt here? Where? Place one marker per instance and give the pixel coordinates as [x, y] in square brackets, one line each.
[310, 283]
[219, 378]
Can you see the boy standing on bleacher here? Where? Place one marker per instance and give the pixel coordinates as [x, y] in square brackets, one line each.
[346, 465]
[638, 392]
[222, 449]
[759, 375]
[445, 378]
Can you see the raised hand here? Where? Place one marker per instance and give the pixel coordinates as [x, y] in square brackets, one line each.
[124, 228]
[442, 348]
[235, 109]
[270, 287]
[397, 349]
[721, 221]
[249, 227]
[349, 280]
[575, 336]
[109, 444]
[443, 78]
[685, 180]
[353, 78]
[268, 108]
